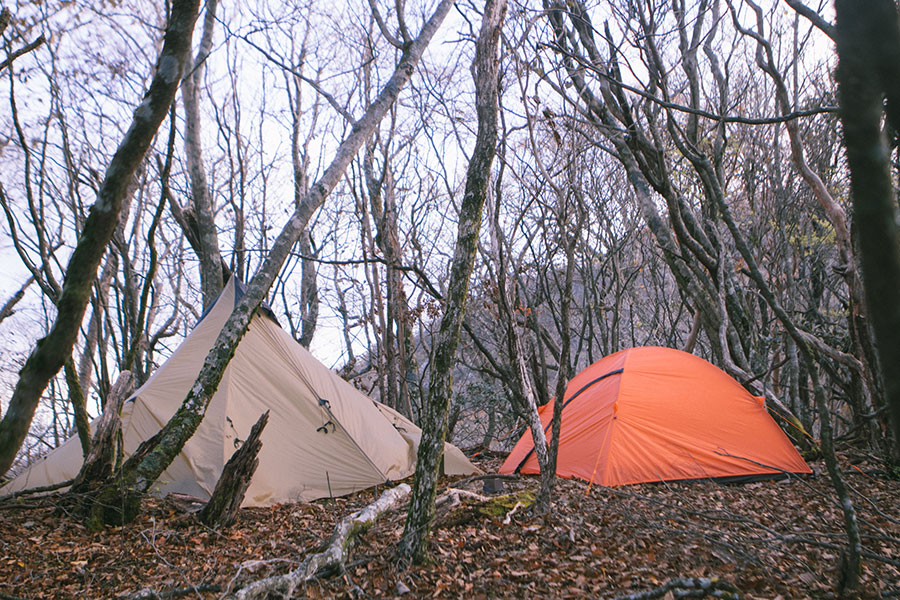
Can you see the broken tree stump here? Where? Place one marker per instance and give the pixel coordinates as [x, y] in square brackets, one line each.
[100, 460]
[221, 510]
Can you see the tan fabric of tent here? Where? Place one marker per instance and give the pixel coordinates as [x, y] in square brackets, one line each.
[324, 438]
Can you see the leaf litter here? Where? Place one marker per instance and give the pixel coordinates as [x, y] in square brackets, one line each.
[768, 539]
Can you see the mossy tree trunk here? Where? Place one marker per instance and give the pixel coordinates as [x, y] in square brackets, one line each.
[434, 422]
[51, 351]
[79, 407]
[119, 500]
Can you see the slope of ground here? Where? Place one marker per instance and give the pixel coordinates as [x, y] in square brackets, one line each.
[767, 539]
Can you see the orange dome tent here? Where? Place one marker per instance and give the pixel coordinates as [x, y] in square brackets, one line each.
[653, 414]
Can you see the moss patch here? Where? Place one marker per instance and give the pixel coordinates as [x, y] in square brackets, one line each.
[501, 505]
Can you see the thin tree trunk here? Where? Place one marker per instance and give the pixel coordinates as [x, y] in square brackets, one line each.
[309, 290]
[76, 399]
[207, 237]
[51, 352]
[434, 423]
[95, 320]
[119, 501]
[849, 578]
[562, 378]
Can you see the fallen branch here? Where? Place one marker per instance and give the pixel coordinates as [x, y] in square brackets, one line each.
[693, 587]
[501, 476]
[148, 594]
[334, 555]
[453, 497]
[10, 500]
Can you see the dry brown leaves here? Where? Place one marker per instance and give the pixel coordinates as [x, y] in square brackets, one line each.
[770, 539]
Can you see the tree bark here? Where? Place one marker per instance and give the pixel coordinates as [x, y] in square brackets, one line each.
[309, 290]
[434, 423]
[207, 237]
[99, 462]
[76, 399]
[50, 352]
[868, 38]
[120, 499]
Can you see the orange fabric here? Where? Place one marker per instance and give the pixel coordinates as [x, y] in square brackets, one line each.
[668, 415]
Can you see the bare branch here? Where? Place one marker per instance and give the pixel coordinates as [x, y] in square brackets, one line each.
[23, 50]
[812, 16]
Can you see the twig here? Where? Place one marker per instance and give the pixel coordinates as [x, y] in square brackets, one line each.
[509, 515]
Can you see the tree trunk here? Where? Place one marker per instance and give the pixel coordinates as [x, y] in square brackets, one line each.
[207, 237]
[99, 462]
[120, 499]
[868, 39]
[434, 422]
[562, 379]
[309, 291]
[76, 399]
[51, 352]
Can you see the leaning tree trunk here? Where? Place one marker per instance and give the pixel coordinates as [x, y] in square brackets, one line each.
[434, 421]
[119, 500]
[51, 352]
[868, 44]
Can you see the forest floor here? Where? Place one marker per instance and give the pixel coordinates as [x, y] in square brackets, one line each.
[768, 539]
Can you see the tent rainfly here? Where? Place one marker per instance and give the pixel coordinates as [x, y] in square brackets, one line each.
[324, 437]
[657, 414]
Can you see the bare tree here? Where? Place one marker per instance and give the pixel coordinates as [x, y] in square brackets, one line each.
[434, 424]
[5, 17]
[119, 500]
[50, 352]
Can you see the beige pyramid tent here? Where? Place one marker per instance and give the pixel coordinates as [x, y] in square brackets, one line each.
[324, 437]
